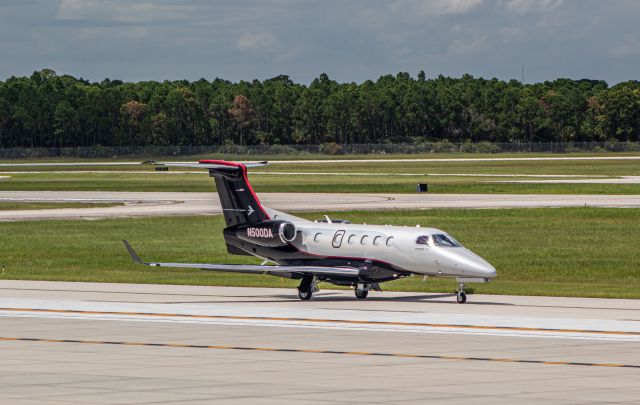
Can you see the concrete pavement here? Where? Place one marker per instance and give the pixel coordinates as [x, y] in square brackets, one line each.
[135, 344]
[186, 203]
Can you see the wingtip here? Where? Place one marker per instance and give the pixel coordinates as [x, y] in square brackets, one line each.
[132, 253]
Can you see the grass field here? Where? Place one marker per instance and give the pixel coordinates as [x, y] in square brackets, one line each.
[354, 176]
[563, 252]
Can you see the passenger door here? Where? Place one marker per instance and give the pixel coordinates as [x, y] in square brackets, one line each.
[337, 239]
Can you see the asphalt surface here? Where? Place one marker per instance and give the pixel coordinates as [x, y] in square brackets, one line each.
[137, 344]
[142, 204]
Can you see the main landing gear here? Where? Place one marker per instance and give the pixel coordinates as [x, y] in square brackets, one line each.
[361, 294]
[307, 287]
[461, 297]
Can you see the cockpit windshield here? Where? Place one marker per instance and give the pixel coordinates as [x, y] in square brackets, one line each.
[445, 241]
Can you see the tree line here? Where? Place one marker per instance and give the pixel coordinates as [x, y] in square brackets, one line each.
[50, 110]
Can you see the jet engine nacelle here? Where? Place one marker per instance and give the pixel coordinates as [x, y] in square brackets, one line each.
[268, 233]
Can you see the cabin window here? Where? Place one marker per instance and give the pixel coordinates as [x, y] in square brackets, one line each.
[422, 240]
[390, 241]
[445, 241]
[376, 240]
[316, 238]
[363, 241]
[352, 238]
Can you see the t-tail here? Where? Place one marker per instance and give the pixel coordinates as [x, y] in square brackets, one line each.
[240, 204]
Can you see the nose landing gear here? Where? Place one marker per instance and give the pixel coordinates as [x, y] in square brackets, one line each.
[461, 297]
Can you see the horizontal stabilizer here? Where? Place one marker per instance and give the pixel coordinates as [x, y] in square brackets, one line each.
[210, 164]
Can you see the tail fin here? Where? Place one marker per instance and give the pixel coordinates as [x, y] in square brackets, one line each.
[240, 204]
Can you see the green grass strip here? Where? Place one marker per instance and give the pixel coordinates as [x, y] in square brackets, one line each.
[586, 252]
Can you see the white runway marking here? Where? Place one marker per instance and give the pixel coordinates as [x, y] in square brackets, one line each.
[379, 321]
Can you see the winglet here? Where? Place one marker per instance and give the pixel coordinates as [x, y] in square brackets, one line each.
[132, 253]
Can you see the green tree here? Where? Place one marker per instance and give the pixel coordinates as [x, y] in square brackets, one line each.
[133, 114]
[242, 112]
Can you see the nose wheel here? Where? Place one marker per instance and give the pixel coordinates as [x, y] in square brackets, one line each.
[461, 297]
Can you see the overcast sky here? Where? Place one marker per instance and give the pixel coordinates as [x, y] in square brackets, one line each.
[351, 40]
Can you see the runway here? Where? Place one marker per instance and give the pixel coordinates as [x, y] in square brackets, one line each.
[134, 344]
[143, 204]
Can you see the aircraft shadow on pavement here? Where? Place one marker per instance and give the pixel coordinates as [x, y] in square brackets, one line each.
[430, 298]
[332, 297]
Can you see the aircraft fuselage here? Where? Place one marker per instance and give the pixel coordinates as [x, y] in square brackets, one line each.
[384, 252]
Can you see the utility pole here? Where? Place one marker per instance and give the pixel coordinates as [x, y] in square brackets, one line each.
[522, 79]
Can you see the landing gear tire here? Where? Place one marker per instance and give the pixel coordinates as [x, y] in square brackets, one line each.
[361, 294]
[461, 298]
[305, 295]
[307, 288]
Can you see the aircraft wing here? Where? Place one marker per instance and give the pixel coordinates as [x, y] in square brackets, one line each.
[251, 268]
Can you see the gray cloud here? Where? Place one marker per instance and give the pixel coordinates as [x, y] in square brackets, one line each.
[350, 40]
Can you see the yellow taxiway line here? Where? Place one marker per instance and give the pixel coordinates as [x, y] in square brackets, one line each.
[315, 351]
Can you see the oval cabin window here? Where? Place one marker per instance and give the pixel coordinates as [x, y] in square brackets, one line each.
[316, 238]
[376, 240]
[351, 239]
[390, 241]
[363, 241]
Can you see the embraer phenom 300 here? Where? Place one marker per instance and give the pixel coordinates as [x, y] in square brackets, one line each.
[338, 252]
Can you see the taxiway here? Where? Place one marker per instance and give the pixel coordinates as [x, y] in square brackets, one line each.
[134, 344]
[137, 204]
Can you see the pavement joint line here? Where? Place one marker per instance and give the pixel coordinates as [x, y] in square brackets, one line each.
[317, 351]
[317, 320]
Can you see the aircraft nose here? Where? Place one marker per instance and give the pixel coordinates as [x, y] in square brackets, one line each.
[473, 265]
[487, 270]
